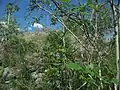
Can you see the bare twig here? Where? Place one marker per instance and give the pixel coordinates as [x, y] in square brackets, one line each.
[82, 86]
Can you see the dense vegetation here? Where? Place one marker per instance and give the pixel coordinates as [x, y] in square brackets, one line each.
[82, 55]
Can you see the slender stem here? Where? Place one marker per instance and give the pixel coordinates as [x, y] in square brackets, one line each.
[8, 17]
[63, 33]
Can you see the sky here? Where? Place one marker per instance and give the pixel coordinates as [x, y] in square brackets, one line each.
[19, 15]
[23, 4]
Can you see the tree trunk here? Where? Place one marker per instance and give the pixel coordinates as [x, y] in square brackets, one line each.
[117, 23]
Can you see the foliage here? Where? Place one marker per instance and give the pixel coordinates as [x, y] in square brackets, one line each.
[56, 60]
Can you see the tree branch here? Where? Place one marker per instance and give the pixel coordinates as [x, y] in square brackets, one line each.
[62, 24]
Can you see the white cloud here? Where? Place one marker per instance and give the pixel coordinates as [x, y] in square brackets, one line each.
[29, 28]
[37, 25]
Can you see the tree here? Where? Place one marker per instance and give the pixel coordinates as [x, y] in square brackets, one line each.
[85, 23]
[116, 29]
[76, 57]
[11, 8]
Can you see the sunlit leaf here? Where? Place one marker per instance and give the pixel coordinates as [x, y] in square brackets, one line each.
[89, 1]
[66, 0]
[114, 80]
[74, 66]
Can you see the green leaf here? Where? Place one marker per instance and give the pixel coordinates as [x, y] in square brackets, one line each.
[92, 6]
[66, 0]
[74, 66]
[91, 66]
[89, 1]
[51, 71]
[114, 80]
[75, 9]
[62, 50]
